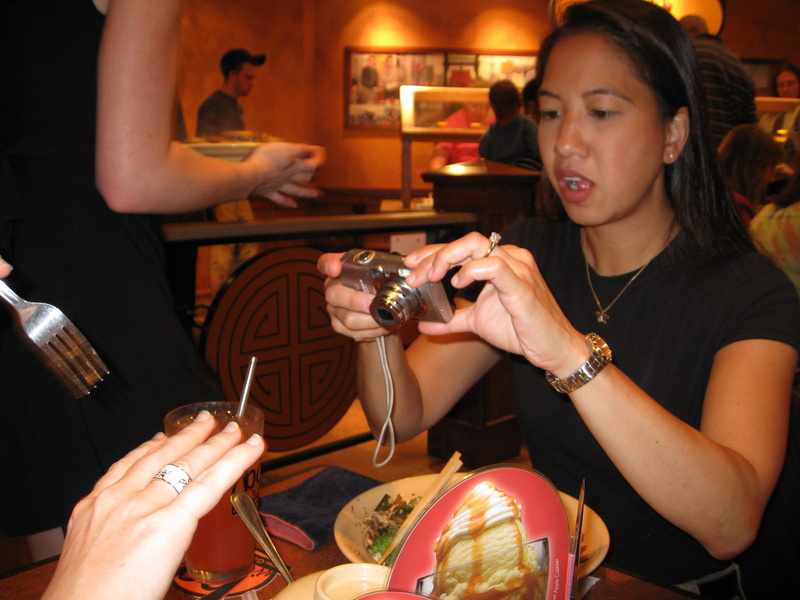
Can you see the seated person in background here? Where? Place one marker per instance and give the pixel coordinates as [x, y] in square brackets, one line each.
[681, 435]
[785, 84]
[512, 138]
[469, 115]
[776, 227]
[749, 157]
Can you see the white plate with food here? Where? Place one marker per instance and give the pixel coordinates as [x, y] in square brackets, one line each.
[352, 533]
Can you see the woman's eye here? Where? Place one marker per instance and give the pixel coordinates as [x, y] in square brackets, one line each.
[549, 115]
[602, 114]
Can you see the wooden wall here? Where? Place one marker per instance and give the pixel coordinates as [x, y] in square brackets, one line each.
[299, 93]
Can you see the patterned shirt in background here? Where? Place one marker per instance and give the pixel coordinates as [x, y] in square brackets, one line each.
[776, 230]
[730, 93]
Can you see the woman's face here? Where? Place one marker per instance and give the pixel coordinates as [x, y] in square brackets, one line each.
[603, 144]
[788, 85]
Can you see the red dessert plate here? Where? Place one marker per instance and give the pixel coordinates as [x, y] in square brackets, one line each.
[543, 518]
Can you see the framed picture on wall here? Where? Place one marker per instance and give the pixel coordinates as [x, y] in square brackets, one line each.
[373, 77]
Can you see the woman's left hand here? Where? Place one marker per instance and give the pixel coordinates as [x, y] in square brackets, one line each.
[515, 311]
[284, 170]
[126, 539]
[5, 268]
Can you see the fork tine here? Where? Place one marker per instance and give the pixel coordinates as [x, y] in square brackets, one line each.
[81, 363]
[57, 362]
[87, 352]
[65, 349]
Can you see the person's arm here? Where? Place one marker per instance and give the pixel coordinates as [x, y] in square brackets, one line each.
[439, 157]
[139, 168]
[208, 120]
[484, 144]
[714, 482]
[126, 539]
[425, 384]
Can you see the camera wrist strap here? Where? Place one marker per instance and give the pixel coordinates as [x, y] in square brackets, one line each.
[387, 430]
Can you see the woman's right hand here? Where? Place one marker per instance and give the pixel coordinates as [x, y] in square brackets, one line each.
[348, 308]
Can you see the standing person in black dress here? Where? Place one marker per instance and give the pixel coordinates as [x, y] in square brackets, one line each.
[86, 163]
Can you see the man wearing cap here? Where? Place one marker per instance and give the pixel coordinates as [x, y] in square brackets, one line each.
[221, 111]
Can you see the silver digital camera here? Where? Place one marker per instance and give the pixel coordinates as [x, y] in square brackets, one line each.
[384, 274]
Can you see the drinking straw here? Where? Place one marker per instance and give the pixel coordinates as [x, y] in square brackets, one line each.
[246, 389]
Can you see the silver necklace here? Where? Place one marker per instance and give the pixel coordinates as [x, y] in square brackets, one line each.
[602, 313]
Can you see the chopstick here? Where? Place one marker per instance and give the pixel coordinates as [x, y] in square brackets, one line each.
[453, 465]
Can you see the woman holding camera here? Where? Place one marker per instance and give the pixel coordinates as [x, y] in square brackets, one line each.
[681, 434]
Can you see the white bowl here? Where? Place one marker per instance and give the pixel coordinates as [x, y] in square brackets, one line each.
[348, 581]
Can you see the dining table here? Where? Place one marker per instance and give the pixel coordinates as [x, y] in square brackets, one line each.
[29, 583]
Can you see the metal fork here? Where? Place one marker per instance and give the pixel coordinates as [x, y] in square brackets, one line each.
[64, 349]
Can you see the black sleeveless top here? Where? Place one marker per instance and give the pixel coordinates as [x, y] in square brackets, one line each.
[103, 269]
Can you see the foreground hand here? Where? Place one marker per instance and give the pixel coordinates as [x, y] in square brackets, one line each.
[348, 308]
[286, 168]
[127, 538]
[5, 268]
[515, 311]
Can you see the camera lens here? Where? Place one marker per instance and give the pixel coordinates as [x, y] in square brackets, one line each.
[395, 303]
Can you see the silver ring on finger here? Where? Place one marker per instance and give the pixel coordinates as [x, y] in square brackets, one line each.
[174, 476]
[494, 239]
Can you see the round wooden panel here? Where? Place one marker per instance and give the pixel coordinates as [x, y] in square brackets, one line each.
[273, 307]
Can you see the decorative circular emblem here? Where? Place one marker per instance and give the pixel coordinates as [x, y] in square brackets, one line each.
[273, 308]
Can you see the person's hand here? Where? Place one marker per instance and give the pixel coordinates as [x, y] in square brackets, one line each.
[515, 311]
[348, 308]
[5, 268]
[285, 169]
[127, 538]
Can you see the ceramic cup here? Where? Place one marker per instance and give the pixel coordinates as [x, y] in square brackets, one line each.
[345, 582]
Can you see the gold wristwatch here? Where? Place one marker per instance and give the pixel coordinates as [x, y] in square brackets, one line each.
[600, 357]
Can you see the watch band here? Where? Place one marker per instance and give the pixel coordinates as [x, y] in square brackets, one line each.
[599, 358]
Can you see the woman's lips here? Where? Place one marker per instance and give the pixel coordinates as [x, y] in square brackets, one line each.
[574, 187]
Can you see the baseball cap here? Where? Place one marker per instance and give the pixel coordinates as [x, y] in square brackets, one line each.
[233, 58]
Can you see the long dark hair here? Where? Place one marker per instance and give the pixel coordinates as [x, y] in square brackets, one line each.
[747, 153]
[663, 58]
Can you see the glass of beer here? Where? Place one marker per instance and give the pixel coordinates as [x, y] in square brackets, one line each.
[222, 548]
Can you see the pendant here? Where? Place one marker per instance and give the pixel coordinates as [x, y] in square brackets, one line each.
[601, 317]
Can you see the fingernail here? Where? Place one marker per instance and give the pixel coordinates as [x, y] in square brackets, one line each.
[159, 436]
[203, 415]
[253, 440]
[231, 426]
[3, 263]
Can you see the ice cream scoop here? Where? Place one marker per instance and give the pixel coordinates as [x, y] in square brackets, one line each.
[483, 551]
